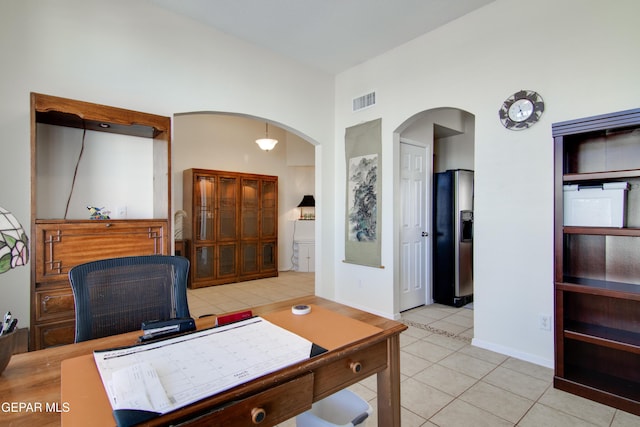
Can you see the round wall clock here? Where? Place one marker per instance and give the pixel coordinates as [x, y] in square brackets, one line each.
[521, 110]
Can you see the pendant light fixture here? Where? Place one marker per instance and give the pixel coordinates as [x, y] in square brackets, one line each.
[266, 143]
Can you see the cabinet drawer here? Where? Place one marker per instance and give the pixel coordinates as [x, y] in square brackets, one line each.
[55, 304]
[54, 334]
[267, 408]
[349, 370]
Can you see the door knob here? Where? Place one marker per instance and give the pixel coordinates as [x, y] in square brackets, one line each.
[425, 234]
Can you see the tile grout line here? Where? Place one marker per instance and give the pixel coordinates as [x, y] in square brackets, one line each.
[468, 341]
[478, 380]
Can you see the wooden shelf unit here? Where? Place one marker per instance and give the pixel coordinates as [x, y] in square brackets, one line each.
[597, 269]
[232, 224]
[57, 244]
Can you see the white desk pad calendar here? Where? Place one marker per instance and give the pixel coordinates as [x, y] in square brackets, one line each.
[149, 380]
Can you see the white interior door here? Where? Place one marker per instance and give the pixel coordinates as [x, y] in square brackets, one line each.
[415, 242]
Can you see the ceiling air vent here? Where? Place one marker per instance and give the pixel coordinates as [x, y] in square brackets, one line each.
[364, 101]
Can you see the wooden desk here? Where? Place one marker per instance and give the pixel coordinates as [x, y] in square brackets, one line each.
[33, 379]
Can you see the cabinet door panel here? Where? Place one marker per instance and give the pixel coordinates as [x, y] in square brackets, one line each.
[227, 209]
[268, 259]
[61, 246]
[204, 263]
[269, 209]
[250, 208]
[268, 221]
[204, 200]
[249, 258]
[227, 264]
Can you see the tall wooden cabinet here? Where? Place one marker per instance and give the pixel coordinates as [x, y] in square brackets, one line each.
[57, 244]
[232, 222]
[597, 267]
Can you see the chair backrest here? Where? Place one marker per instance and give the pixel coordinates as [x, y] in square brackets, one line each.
[116, 295]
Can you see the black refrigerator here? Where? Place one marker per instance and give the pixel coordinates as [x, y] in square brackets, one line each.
[453, 237]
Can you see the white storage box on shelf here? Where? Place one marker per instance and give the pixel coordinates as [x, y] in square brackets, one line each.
[596, 206]
[342, 409]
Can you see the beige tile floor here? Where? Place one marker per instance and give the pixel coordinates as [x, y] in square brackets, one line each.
[446, 381]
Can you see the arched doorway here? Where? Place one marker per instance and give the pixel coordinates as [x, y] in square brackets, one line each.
[226, 142]
[429, 142]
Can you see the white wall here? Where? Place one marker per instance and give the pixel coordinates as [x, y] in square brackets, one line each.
[114, 172]
[456, 151]
[581, 56]
[133, 55]
[453, 146]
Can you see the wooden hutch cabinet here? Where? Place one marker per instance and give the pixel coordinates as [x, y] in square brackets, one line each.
[597, 264]
[232, 222]
[57, 244]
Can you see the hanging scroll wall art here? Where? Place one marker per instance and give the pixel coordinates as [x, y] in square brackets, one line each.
[363, 147]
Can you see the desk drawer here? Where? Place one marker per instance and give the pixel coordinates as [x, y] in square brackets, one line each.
[349, 370]
[267, 408]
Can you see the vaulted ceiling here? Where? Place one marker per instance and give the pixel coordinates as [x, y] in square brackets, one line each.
[330, 35]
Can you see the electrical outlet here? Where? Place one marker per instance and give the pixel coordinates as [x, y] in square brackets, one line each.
[122, 211]
[544, 321]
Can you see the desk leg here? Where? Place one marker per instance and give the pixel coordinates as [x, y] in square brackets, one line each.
[389, 386]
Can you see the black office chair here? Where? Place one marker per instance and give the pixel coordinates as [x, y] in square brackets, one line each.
[116, 295]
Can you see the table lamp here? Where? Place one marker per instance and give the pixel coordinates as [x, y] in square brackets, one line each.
[307, 207]
[14, 244]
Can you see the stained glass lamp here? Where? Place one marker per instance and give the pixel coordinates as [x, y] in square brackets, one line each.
[14, 244]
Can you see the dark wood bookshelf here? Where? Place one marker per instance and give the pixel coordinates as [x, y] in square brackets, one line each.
[597, 278]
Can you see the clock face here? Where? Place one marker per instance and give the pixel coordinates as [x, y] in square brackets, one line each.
[521, 110]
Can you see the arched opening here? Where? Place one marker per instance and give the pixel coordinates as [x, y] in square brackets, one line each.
[226, 142]
[426, 146]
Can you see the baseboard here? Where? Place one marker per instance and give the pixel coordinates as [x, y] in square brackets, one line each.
[508, 351]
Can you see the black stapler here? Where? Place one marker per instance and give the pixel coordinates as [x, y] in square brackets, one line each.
[164, 328]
